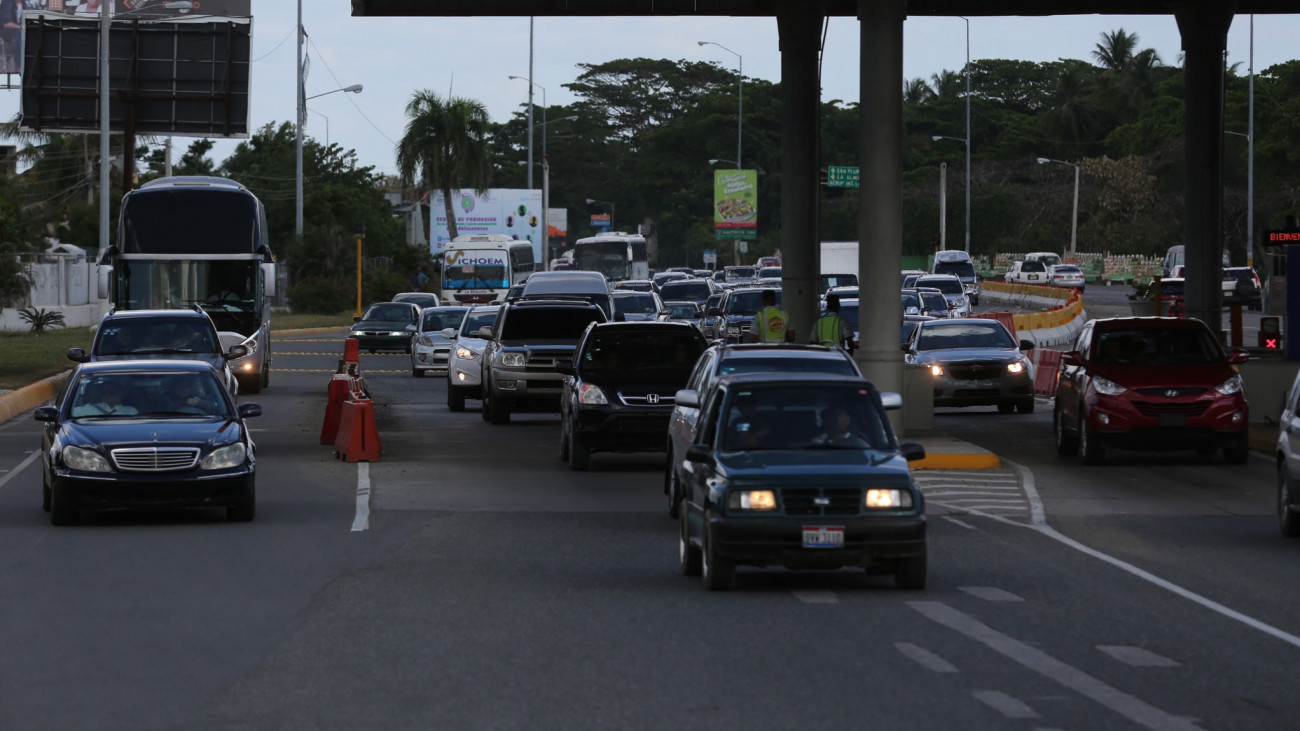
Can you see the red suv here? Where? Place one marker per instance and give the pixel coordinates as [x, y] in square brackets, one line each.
[1150, 383]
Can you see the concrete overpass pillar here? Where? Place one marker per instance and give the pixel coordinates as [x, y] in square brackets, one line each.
[1204, 30]
[880, 221]
[799, 25]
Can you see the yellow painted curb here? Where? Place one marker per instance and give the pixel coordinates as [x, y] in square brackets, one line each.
[29, 397]
[958, 462]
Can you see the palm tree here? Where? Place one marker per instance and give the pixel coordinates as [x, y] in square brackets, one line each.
[446, 145]
[1137, 83]
[948, 84]
[1115, 50]
[1069, 117]
[917, 92]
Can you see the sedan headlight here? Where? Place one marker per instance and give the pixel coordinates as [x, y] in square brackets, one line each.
[512, 360]
[425, 340]
[85, 460]
[222, 458]
[591, 395]
[733, 329]
[1016, 367]
[882, 499]
[751, 500]
[465, 353]
[936, 370]
[1230, 386]
[398, 333]
[1107, 387]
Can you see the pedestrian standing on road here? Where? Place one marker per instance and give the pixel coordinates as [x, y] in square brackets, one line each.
[771, 323]
[832, 330]
[418, 280]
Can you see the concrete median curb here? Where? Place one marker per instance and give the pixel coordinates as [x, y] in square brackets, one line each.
[29, 397]
[943, 452]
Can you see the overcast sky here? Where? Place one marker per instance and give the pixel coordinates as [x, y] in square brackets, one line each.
[474, 57]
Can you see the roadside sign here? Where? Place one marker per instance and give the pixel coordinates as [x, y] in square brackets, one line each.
[710, 257]
[841, 176]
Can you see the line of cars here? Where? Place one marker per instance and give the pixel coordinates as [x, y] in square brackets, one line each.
[149, 419]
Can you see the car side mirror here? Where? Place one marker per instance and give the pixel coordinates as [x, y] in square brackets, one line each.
[565, 367]
[891, 401]
[78, 355]
[235, 351]
[714, 312]
[1238, 355]
[356, 318]
[699, 453]
[1071, 358]
[449, 333]
[248, 411]
[665, 312]
[46, 413]
[1026, 345]
[687, 397]
[912, 451]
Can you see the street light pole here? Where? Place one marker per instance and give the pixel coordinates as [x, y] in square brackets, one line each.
[532, 127]
[943, 192]
[1074, 218]
[302, 118]
[968, 134]
[740, 115]
[103, 127]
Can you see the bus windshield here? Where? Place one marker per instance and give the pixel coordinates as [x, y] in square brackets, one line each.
[220, 286]
[611, 258]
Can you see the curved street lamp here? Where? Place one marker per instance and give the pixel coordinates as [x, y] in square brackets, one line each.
[1074, 217]
[297, 147]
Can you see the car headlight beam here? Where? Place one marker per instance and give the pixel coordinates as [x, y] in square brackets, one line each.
[1016, 367]
[759, 500]
[888, 498]
[465, 353]
[936, 370]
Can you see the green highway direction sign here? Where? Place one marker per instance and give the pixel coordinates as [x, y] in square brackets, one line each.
[841, 176]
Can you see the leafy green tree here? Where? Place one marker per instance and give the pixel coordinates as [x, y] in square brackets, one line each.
[446, 146]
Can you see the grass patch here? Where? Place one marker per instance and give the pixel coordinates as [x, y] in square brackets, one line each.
[27, 358]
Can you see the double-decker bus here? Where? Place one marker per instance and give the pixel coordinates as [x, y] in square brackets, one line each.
[617, 255]
[482, 267]
[192, 240]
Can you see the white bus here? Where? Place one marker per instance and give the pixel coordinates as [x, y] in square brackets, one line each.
[617, 255]
[482, 267]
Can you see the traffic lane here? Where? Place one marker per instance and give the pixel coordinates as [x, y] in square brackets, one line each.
[151, 612]
[505, 620]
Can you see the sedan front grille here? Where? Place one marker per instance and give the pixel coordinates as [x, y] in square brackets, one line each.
[155, 459]
[813, 501]
[976, 371]
[1157, 408]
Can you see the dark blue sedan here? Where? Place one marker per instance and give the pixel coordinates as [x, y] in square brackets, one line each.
[147, 434]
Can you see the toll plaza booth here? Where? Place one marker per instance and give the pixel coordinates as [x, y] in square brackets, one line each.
[1282, 308]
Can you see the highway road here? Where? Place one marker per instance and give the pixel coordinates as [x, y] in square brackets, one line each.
[468, 579]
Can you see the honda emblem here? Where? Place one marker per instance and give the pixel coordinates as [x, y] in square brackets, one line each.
[652, 398]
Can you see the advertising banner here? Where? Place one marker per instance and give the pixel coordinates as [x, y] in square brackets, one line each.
[557, 220]
[735, 204]
[513, 212]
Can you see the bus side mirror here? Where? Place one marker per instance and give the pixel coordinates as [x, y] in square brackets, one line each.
[105, 276]
[268, 280]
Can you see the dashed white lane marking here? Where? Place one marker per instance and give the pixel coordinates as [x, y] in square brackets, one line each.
[1138, 656]
[362, 520]
[21, 466]
[990, 593]
[816, 597]
[925, 658]
[1134, 709]
[1004, 704]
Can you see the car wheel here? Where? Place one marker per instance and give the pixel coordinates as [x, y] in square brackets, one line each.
[1067, 445]
[579, 454]
[564, 444]
[1006, 408]
[45, 495]
[719, 572]
[689, 558]
[246, 509]
[1287, 520]
[1089, 446]
[1026, 406]
[251, 385]
[485, 402]
[265, 379]
[498, 411]
[671, 489]
[1239, 451]
[910, 573]
[418, 373]
[455, 398]
[61, 512]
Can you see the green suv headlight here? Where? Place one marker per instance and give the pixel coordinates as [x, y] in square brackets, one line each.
[888, 499]
[751, 500]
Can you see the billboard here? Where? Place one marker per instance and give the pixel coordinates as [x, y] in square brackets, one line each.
[557, 221]
[513, 212]
[735, 204]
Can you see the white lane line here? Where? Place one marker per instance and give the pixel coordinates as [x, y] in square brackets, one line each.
[1138, 657]
[990, 593]
[816, 597]
[362, 520]
[963, 524]
[1134, 709]
[1004, 704]
[925, 658]
[21, 466]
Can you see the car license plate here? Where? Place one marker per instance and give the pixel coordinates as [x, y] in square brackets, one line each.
[823, 536]
[1173, 420]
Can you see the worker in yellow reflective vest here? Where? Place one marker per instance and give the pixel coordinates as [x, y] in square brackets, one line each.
[832, 330]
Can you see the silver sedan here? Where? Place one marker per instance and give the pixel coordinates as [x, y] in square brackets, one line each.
[974, 362]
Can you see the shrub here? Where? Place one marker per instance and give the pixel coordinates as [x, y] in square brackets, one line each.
[315, 295]
[40, 319]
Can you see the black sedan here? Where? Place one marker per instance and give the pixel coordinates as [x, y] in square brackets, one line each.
[619, 388]
[141, 434]
[387, 326]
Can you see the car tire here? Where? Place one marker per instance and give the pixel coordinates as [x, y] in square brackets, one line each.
[1067, 445]
[1006, 408]
[265, 379]
[1239, 451]
[61, 513]
[251, 385]
[579, 454]
[1026, 406]
[416, 372]
[45, 495]
[485, 402]
[1288, 522]
[671, 489]
[455, 398]
[498, 411]
[246, 509]
[719, 572]
[564, 444]
[1090, 448]
[910, 573]
[690, 559]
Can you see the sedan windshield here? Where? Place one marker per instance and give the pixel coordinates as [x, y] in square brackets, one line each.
[832, 416]
[389, 313]
[183, 393]
[965, 335]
